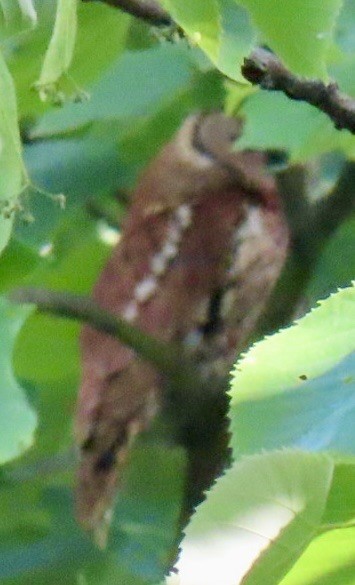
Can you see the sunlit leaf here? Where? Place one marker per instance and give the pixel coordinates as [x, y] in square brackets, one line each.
[220, 27]
[274, 371]
[92, 56]
[316, 343]
[341, 500]
[200, 19]
[256, 521]
[5, 230]
[330, 559]
[317, 416]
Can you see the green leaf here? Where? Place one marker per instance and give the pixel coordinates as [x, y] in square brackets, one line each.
[142, 141]
[317, 416]
[140, 81]
[5, 230]
[200, 19]
[10, 135]
[341, 500]
[46, 356]
[76, 256]
[17, 261]
[219, 27]
[16, 15]
[89, 166]
[345, 29]
[256, 520]
[300, 32]
[147, 514]
[278, 365]
[336, 265]
[17, 419]
[235, 40]
[28, 10]
[48, 548]
[329, 560]
[313, 345]
[273, 121]
[39, 538]
[91, 56]
[12, 173]
[61, 48]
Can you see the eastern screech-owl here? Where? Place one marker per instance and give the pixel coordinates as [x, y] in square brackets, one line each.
[201, 249]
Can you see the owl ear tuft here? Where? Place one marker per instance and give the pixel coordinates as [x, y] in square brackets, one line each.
[216, 134]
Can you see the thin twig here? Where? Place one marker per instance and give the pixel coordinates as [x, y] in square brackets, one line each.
[82, 308]
[147, 10]
[61, 462]
[263, 68]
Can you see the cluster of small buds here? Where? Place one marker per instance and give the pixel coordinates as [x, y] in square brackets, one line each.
[8, 207]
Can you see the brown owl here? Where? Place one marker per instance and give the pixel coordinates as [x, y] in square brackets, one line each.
[201, 249]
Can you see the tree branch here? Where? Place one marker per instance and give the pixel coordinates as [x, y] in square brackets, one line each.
[191, 396]
[81, 308]
[196, 407]
[147, 10]
[263, 68]
[339, 204]
[312, 225]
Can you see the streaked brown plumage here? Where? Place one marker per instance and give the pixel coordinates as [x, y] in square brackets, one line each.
[201, 249]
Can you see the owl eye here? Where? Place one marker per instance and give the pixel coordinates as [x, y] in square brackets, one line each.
[233, 135]
[105, 463]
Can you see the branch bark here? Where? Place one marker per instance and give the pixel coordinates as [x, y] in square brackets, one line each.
[147, 10]
[263, 68]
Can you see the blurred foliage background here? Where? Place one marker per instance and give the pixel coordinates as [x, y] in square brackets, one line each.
[88, 96]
